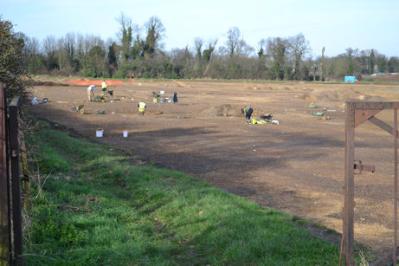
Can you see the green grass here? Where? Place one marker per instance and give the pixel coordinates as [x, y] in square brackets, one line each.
[98, 208]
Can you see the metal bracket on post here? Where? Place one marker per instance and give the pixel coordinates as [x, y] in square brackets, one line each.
[359, 167]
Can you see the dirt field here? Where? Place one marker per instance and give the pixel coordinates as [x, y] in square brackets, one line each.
[296, 166]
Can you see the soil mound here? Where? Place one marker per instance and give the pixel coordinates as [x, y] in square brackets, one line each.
[45, 83]
[226, 110]
[97, 82]
[335, 96]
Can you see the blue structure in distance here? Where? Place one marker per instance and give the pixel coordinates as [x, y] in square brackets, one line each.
[350, 79]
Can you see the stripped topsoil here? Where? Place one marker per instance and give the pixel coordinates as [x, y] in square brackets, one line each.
[296, 166]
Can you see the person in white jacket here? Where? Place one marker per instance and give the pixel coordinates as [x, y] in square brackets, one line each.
[90, 92]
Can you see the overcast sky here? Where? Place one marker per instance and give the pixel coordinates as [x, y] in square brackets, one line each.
[335, 24]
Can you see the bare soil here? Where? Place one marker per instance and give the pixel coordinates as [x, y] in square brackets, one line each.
[88, 82]
[296, 166]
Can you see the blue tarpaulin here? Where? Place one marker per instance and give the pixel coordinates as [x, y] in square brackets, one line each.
[350, 79]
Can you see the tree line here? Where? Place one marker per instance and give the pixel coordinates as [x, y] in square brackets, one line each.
[138, 53]
[12, 61]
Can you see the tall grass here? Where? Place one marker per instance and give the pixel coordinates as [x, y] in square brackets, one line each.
[98, 208]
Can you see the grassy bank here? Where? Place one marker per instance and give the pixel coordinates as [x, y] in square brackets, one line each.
[96, 207]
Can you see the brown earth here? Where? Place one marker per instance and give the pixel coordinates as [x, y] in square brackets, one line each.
[97, 82]
[296, 166]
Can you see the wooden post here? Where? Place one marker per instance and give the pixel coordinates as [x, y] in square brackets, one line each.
[4, 185]
[15, 181]
[358, 112]
[349, 184]
[395, 186]
[25, 173]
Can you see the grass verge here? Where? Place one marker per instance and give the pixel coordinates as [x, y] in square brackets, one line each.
[94, 207]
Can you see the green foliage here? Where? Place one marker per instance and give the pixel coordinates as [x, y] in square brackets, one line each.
[127, 36]
[160, 67]
[155, 31]
[122, 72]
[137, 50]
[277, 48]
[233, 69]
[50, 224]
[139, 54]
[50, 160]
[371, 62]
[112, 60]
[393, 65]
[12, 68]
[94, 63]
[381, 62]
[103, 210]
[143, 57]
[34, 62]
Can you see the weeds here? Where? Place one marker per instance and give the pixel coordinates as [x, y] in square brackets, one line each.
[96, 208]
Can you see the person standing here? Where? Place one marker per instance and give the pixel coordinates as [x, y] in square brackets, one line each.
[141, 107]
[247, 111]
[175, 97]
[104, 87]
[90, 92]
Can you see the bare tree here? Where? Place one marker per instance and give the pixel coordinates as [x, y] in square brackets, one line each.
[235, 44]
[182, 60]
[298, 47]
[262, 47]
[155, 32]
[277, 51]
[66, 52]
[198, 43]
[208, 54]
[322, 67]
[125, 35]
[32, 55]
[393, 64]
[233, 41]
[352, 66]
[371, 62]
[50, 49]
[70, 46]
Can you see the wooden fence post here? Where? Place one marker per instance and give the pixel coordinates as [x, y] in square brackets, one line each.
[349, 184]
[395, 187]
[4, 185]
[15, 181]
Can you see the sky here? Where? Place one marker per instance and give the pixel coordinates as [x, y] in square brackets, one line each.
[335, 24]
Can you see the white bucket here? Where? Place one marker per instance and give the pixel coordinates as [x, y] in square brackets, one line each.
[99, 133]
[125, 133]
